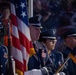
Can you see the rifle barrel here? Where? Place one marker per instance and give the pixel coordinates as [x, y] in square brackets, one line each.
[62, 65]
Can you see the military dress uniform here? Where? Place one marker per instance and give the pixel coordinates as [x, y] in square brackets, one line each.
[37, 60]
[70, 65]
[47, 63]
[3, 59]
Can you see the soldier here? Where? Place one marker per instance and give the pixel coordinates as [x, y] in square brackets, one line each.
[3, 54]
[34, 26]
[69, 38]
[55, 59]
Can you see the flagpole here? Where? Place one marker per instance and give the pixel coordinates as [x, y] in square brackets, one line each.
[30, 7]
[10, 58]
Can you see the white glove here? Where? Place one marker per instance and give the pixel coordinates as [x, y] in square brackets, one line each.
[56, 74]
[60, 73]
[33, 72]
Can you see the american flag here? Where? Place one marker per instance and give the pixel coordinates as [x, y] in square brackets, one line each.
[20, 35]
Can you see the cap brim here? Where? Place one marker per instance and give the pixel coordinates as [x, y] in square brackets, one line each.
[36, 25]
[74, 35]
[53, 38]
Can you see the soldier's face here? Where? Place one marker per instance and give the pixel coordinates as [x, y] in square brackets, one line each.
[35, 33]
[71, 42]
[50, 44]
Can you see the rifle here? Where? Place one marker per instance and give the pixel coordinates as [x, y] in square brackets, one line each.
[10, 58]
[70, 56]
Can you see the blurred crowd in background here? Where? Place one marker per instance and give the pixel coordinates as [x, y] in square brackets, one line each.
[52, 10]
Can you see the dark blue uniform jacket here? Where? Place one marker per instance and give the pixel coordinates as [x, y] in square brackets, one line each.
[3, 59]
[70, 65]
[52, 62]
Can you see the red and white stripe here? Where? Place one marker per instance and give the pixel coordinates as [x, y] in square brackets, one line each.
[21, 41]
